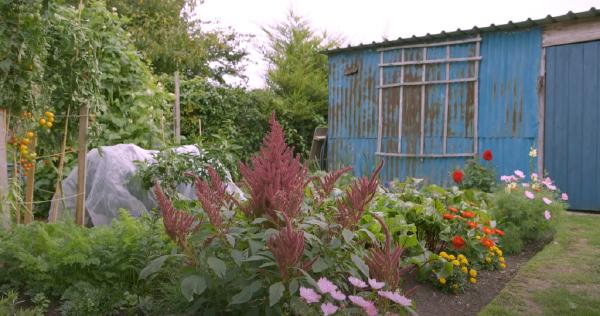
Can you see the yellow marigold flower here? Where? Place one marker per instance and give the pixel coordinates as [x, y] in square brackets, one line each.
[460, 257]
[455, 262]
[451, 257]
[442, 280]
[473, 280]
[464, 261]
[465, 270]
[502, 265]
[501, 259]
[499, 252]
[473, 273]
[443, 254]
[488, 259]
[478, 237]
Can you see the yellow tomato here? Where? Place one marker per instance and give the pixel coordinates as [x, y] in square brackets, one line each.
[49, 114]
[49, 125]
[42, 121]
[30, 134]
[478, 237]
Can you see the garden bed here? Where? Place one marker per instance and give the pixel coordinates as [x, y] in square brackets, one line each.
[430, 301]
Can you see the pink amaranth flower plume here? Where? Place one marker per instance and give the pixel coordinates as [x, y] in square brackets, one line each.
[326, 184]
[395, 297]
[178, 224]
[352, 207]
[212, 196]
[287, 247]
[357, 282]
[309, 295]
[328, 309]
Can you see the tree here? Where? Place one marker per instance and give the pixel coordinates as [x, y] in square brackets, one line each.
[169, 36]
[297, 74]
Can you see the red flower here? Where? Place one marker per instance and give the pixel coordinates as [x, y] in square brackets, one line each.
[487, 155]
[458, 242]
[458, 176]
[498, 232]
[453, 209]
[472, 225]
[486, 242]
[448, 216]
[467, 214]
[488, 231]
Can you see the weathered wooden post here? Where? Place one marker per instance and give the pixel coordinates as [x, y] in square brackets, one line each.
[176, 112]
[28, 216]
[81, 165]
[4, 169]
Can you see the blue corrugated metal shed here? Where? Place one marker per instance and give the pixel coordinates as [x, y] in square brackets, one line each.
[505, 98]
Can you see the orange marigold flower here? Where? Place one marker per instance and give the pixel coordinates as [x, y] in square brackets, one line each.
[458, 242]
[448, 216]
[472, 225]
[487, 231]
[453, 209]
[488, 243]
[468, 214]
[498, 232]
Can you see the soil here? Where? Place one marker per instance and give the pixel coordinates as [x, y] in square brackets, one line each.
[430, 301]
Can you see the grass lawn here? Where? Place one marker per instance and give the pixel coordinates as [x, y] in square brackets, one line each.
[562, 279]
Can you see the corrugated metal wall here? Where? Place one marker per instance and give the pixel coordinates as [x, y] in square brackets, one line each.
[507, 120]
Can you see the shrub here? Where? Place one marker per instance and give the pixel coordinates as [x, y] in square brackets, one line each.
[478, 176]
[252, 256]
[528, 211]
[90, 269]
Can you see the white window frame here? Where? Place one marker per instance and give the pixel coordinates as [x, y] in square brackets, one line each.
[423, 83]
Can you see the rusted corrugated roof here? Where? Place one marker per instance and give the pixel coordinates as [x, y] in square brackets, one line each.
[570, 16]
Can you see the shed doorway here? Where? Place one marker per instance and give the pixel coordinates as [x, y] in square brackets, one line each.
[572, 122]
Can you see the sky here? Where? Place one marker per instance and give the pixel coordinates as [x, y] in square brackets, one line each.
[360, 21]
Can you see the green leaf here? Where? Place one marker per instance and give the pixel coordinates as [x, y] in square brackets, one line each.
[238, 257]
[255, 246]
[230, 239]
[293, 287]
[242, 297]
[193, 284]
[360, 264]
[154, 266]
[275, 293]
[217, 265]
[348, 235]
[319, 265]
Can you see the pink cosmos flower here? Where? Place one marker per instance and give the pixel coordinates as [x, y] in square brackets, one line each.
[357, 282]
[395, 297]
[547, 200]
[564, 197]
[525, 185]
[551, 186]
[505, 178]
[328, 308]
[534, 176]
[376, 285]
[366, 305]
[325, 286]
[519, 174]
[309, 295]
[547, 215]
[338, 295]
[529, 195]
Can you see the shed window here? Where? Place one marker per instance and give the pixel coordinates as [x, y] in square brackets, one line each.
[428, 99]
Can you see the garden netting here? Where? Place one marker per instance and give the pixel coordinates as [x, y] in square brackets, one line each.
[109, 185]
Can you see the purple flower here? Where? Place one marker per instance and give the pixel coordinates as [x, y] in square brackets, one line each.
[325, 286]
[328, 308]
[357, 282]
[376, 285]
[547, 215]
[395, 297]
[519, 174]
[309, 295]
[338, 295]
[366, 305]
[547, 200]
[529, 195]
[564, 197]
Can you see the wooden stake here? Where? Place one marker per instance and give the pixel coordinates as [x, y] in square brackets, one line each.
[200, 127]
[28, 216]
[53, 216]
[177, 114]
[81, 165]
[4, 169]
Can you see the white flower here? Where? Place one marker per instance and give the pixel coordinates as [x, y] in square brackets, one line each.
[532, 152]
